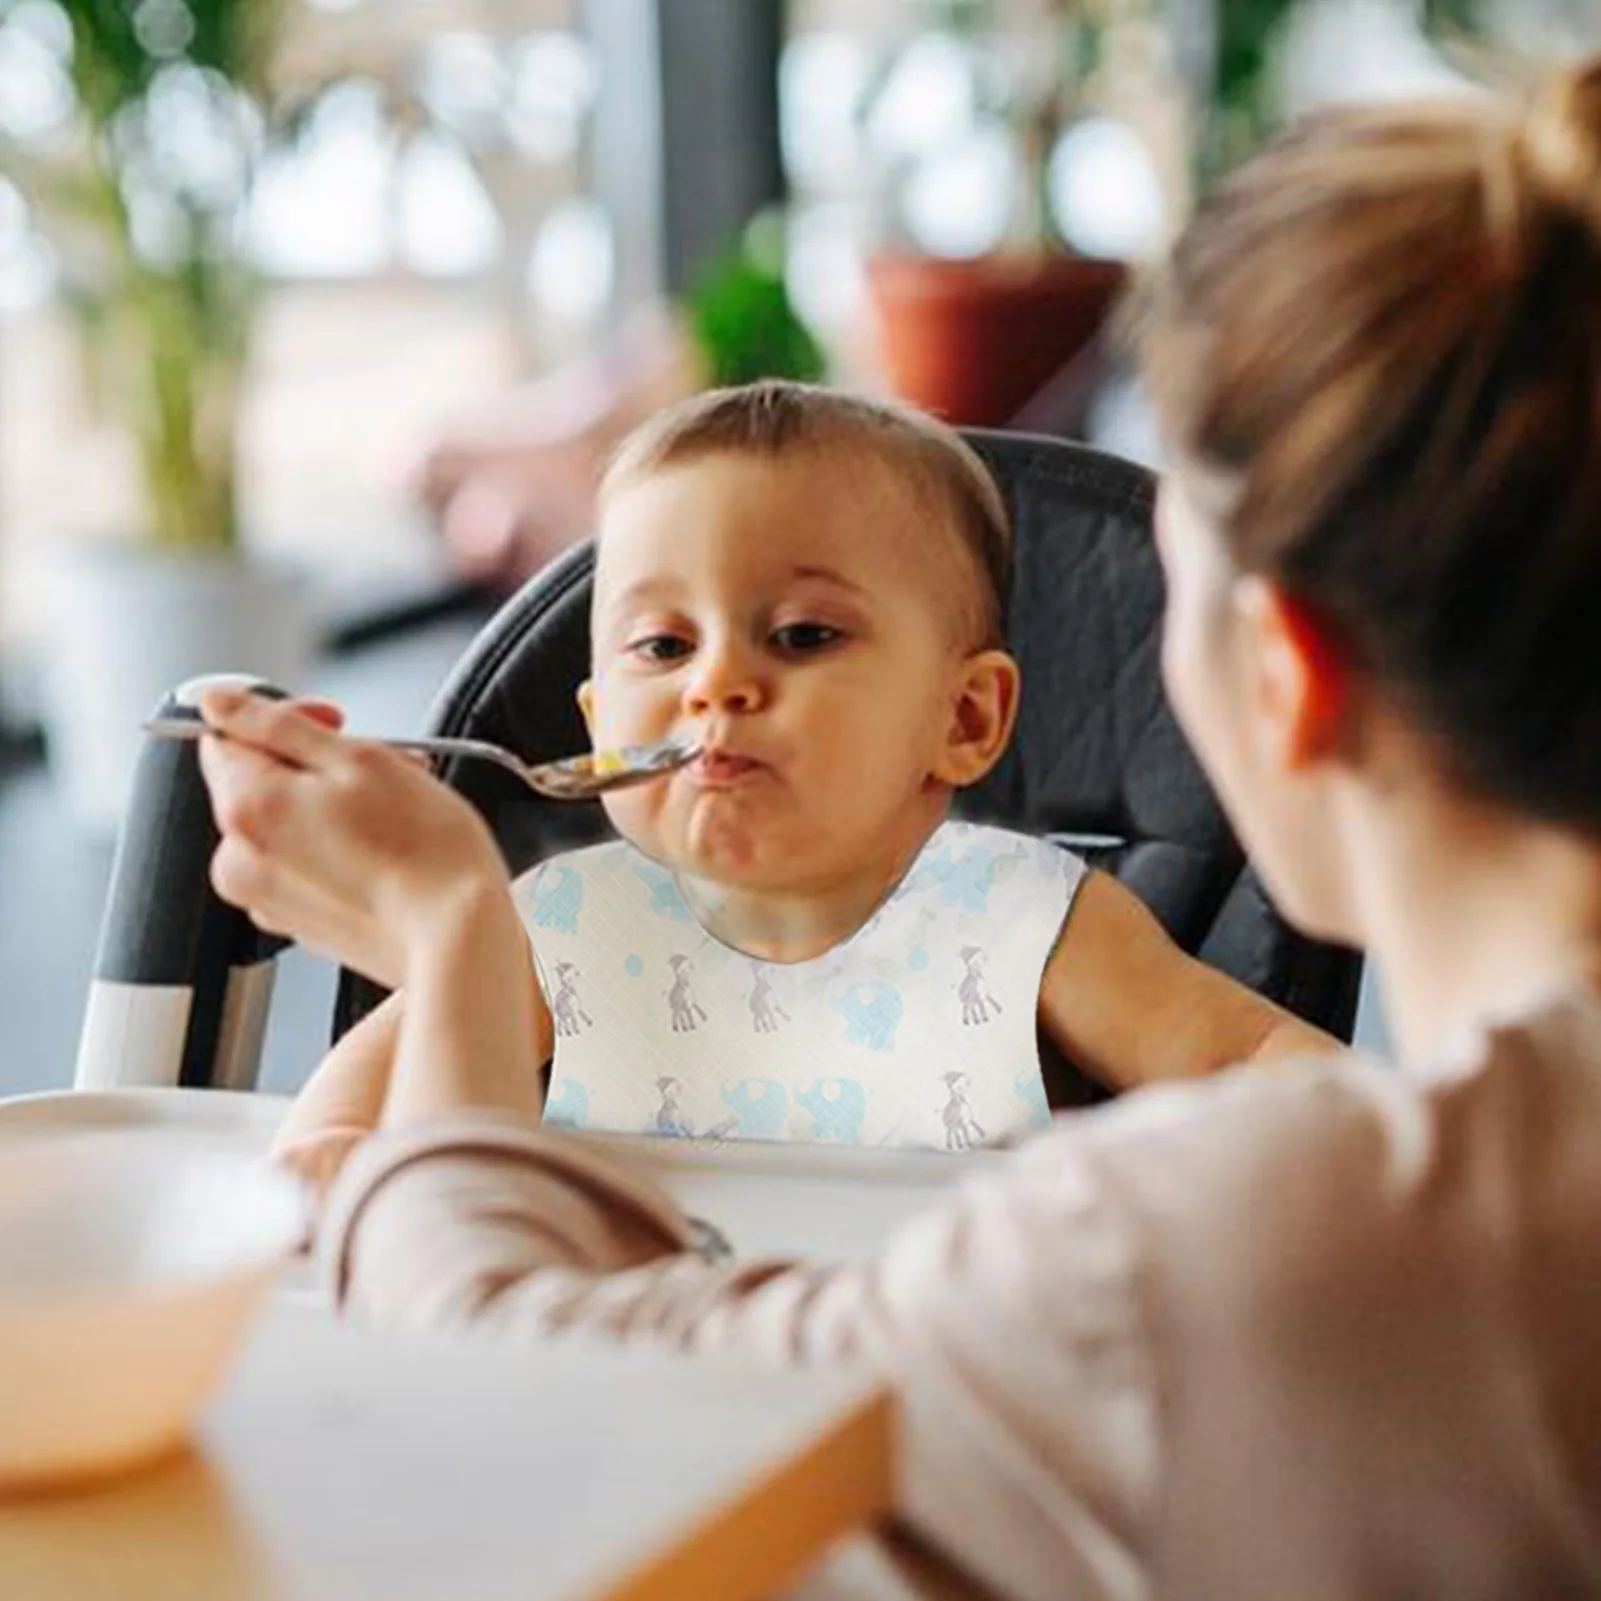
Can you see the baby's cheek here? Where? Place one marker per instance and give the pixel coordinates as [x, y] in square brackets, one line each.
[618, 712]
[636, 816]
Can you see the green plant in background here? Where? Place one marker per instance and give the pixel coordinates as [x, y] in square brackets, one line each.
[141, 190]
[745, 325]
[1243, 109]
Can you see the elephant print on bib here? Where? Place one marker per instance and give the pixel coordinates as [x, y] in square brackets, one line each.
[759, 1105]
[558, 905]
[964, 880]
[872, 1013]
[666, 900]
[838, 1106]
[569, 1108]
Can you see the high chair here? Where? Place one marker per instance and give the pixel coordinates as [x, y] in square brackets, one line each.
[182, 982]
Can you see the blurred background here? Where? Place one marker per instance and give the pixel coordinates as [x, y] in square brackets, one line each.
[318, 316]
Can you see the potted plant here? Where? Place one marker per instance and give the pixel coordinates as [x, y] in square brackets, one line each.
[141, 191]
[975, 338]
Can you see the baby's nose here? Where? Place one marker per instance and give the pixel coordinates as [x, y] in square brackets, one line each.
[731, 697]
[726, 681]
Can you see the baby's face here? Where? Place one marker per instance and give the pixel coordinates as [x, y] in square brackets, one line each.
[793, 618]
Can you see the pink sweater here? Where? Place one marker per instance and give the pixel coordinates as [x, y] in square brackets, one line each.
[1288, 1336]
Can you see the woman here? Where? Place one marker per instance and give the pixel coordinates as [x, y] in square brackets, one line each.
[1328, 1333]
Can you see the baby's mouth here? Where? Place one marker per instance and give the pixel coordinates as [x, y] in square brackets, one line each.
[722, 768]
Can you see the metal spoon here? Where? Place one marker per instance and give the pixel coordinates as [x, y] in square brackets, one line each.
[572, 778]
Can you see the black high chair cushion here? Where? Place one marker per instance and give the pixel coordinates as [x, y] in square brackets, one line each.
[1097, 752]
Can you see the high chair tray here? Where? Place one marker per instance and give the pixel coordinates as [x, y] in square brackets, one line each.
[766, 1198]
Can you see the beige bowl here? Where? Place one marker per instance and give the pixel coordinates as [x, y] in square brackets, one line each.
[130, 1263]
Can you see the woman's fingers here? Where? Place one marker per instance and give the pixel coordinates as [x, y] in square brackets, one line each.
[341, 843]
[241, 874]
[250, 787]
[280, 900]
[325, 712]
[301, 733]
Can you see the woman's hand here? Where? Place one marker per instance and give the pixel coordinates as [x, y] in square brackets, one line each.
[347, 847]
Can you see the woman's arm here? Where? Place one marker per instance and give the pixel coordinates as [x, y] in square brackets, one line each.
[1123, 1002]
[1009, 1321]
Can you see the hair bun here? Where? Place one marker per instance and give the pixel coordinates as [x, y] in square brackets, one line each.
[1561, 141]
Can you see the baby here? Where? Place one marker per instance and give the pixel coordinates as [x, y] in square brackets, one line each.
[791, 939]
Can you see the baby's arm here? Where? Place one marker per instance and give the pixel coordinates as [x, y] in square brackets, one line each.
[344, 1096]
[1124, 1003]
[476, 1028]
[343, 1100]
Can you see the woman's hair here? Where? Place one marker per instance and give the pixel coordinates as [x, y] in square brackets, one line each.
[775, 419]
[1376, 354]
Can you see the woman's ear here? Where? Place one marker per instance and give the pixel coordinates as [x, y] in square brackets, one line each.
[1301, 676]
[983, 714]
[586, 705]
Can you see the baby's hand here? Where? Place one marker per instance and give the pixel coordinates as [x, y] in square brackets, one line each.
[339, 843]
[343, 1100]
[316, 1158]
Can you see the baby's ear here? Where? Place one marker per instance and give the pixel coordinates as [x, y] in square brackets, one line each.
[983, 713]
[586, 703]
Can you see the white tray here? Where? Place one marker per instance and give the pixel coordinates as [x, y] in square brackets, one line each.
[791, 1200]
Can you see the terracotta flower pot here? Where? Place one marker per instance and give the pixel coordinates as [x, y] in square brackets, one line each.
[973, 341]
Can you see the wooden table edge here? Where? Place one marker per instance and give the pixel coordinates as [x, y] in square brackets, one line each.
[783, 1521]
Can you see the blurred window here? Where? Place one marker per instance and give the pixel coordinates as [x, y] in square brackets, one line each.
[425, 238]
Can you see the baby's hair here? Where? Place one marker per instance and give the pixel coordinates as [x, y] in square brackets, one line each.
[775, 420]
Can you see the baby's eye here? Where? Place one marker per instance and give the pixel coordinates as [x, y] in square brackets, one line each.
[800, 638]
[660, 648]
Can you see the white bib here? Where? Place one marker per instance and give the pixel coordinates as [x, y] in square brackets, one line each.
[919, 1030]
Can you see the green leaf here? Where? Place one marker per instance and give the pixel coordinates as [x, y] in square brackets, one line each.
[747, 328]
